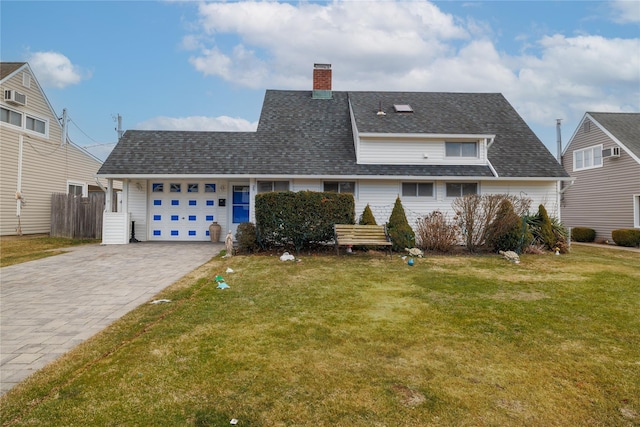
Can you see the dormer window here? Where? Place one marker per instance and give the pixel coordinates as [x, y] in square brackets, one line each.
[461, 149]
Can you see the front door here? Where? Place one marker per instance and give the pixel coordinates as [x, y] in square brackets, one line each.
[239, 205]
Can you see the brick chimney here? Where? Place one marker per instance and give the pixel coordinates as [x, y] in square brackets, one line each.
[321, 81]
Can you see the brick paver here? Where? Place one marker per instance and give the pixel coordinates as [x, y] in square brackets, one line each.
[49, 306]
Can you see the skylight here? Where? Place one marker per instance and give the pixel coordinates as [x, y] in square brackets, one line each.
[403, 108]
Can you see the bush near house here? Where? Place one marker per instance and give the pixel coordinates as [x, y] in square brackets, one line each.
[626, 237]
[476, 213]
[435, 232]
[583, 234]
[367, 217]
[508, 231]
[399, 230]
[247, 238]
[299, 219]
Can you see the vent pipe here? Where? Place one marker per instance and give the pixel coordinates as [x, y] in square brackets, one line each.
[559, 139]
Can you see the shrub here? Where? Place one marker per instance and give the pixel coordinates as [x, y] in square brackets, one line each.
[626, 237]
[475, 213]
[583, 234]
[246, 237]
[548, 232]
[400, 232]
[297, 219]
[367, 217]
[507, 231]
[435, 232]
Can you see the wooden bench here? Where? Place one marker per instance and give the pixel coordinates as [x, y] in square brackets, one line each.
[361, 235]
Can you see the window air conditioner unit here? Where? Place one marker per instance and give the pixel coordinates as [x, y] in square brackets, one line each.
[611, 152]
[15, 97]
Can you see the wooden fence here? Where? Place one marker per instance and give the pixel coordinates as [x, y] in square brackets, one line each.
[77, 217]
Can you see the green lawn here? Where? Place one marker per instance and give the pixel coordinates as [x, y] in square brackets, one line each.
[18, 249]
[363, 340]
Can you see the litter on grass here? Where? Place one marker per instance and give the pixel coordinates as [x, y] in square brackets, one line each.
[287, 257]
[158, 301]
[222, 285]
[229, 270]
[234, 422]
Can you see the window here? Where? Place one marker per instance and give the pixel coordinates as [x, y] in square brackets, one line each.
[175, 188]
[192, 188]
[459, 189]
[209, 188]
[587, 158]
[26, 80]
[461, 149]
[15, 118]
[417, 189]
[10, 116]
[35, 125]
[75, 189]
[268, 186]
[340, 187]
[157, 187]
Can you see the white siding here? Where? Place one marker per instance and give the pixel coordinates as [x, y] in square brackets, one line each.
[418, 151]
[115, 228]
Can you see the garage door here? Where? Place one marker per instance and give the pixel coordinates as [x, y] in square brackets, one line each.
[181, 211]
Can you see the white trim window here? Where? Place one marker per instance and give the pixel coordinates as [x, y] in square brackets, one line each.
[587, 158]
[25, 121]
[636, 210]
[461, 149]
[417, 189]
[269, 186]
[340, 187]
[77, 189]
[460, 189]
[10, 116]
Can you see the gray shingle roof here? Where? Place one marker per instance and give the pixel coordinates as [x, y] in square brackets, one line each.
[299, 135]
[624, 126]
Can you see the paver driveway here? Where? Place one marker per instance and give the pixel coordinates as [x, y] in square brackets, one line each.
[49, 306]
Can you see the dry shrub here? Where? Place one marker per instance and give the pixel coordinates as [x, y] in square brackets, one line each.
[436, 233]
[475, 214]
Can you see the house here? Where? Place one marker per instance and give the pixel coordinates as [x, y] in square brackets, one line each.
[429, 148]
[37, 159]
[603, 155]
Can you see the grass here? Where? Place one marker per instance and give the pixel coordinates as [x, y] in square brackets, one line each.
[362, 340]
[18, 249]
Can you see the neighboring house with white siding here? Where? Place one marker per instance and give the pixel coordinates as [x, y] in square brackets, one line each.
[35, 161]
[603, 156]
[428, 148]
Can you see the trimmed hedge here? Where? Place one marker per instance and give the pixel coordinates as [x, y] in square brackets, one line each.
[626, 237]
[298, 219]
[400, 232]
[583, 234]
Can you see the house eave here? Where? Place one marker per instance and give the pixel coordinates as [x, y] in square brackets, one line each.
[426, 135]
[331, 177]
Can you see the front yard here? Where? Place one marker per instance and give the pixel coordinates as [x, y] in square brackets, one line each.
[363, 340]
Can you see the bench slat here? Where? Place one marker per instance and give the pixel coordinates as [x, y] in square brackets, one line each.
[360, 235]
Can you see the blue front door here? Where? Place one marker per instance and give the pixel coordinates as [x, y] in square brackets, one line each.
[240, 206]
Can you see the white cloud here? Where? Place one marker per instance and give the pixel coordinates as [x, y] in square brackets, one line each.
[198, 123]
[383, 37]
[412, 45]
[626, 11]
[54, 69]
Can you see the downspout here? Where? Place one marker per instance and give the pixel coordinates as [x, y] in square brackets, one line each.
[19, 198]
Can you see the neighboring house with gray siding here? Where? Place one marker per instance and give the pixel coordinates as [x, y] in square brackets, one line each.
[35, 160]
[426, 147]
[603, 156]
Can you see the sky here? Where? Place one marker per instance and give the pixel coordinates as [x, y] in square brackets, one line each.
[195, 65]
